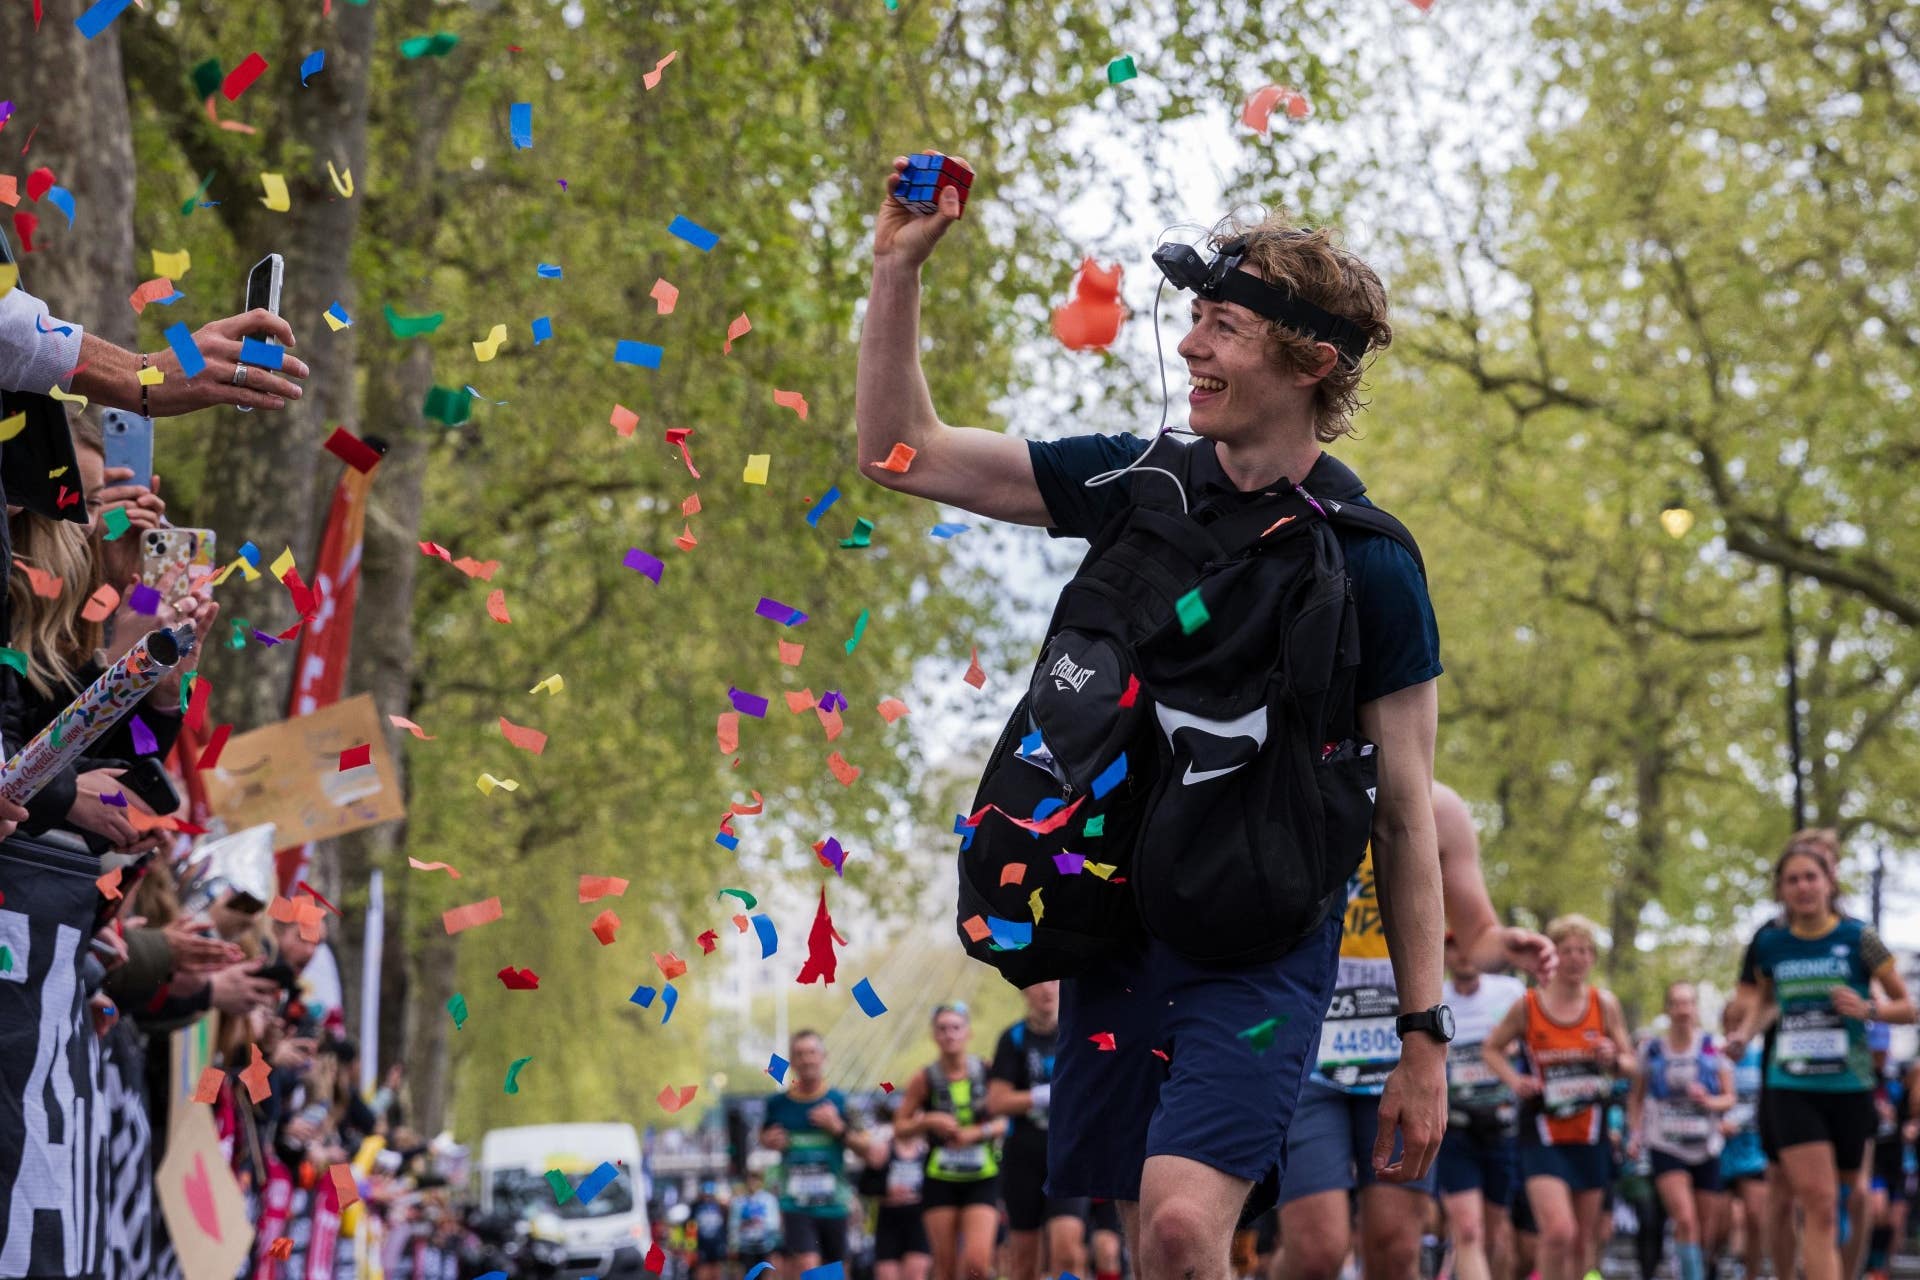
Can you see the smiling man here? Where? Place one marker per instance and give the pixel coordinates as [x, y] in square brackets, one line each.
[1186, 1113]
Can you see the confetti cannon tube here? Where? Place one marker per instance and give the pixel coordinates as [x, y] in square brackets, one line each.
[95, 711]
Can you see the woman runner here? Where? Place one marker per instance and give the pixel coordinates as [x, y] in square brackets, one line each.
[947, 1103]
[1681, 1091]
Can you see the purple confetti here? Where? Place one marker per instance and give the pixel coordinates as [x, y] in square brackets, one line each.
[784, 614]
[118, 799]
[833, 700]
[640, 562]
[1069, 864]
[833, 853]
[144, 743]
[143, 599]
[748, 704]
[6, 112]
[265, 639]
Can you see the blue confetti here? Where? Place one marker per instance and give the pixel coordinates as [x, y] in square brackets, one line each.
[520, 125]
[946, 530]
[1110, 777]
[830, 1271]
[310, 64]
[694, 234]
[187, 351]
[777, 1068]
[727, 841]
[668, 999]
[596, 1182]
[100, 16]
[759, 1268]
[642, 996]
[644, 354]
[821, 507]
[542, 329]
[339, 313]
[61, 199]
[265, 355]
[248, 552]
[169, 301]
[1031, 743]
[869, 1003]
[548, 271]
[965, 832]
[1009, 935]
[769, 940]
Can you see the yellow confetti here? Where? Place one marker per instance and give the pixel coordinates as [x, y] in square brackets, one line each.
[333, 322]
[1039, 909]
[152, 376]
[9, 277]
[488, 784]
[245, 566]
[489, 347]
[552, 684]
[58, 394]
[1102, 869]
[11, 427]
[282, 563]
[172, 265]
[756, 472]
[276, 187]
[343, 185]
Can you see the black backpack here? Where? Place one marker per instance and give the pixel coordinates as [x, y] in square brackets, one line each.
[1194, 704]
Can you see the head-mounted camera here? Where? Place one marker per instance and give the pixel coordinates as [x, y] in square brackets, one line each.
[1221, 281]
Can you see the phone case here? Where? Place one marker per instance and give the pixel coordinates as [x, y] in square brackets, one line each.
[165, 555]
[127, 441]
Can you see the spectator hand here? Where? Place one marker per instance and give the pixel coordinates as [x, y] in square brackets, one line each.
[91, 812]
[195, 949]
[774, 1138]
[239, 988]
[11, 816]
[111, 948]
[219, 342]
[941, 1127]
[295, 1053]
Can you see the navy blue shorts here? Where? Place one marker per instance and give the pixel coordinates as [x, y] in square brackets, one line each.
[1583, 1166]
[1704, 1175]
[1213, 1097]
[1485, 1161]
[1330, 1143]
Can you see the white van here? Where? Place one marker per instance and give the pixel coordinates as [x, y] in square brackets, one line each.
[607, 1236]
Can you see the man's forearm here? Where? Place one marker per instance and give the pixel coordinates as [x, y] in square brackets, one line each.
[891, 402]
[1406, 864]
[109, 375]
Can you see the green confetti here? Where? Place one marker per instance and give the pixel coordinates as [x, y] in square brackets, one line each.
[747, 900]
[206, 79]
[116, 522]
[862, 535]
[186, 690]
[6, 959]
[1260, 1035]
[457, 1006]
[1121, 69]
[15, 659]
[239, 638]
[1096, 825]
[562, 1189]
[513, 1074]
[194, 199]
[438, 45]
[859, 629]
[412, 326]
[1193, 612]
[450, 407]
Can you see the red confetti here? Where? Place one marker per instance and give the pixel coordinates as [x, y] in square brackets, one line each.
[605, 926]
[521, 736]
[821, 960]
[671, 965]
[39, 182]
[672, 1099]
[241, 78]
[354, 451]
[354, 757]
[976, 675]
[708, 941]
[210, 754]
[497, 606]
[474, 914]
[594, 888]
[519, 979]
[1102, 1040]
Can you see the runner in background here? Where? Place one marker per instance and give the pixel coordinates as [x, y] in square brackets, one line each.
[1743, 1168]
[1478, 1170]
[1019, 1087]
[1887, 1202]
[707, 1223]
[896, 1171]
[808, 1127]
[1682, 1089]
[947, 1104]
[755, 1226]
[1106, 1240]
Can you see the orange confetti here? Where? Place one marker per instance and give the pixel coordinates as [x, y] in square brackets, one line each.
[899, 459]
[665, 297]
[9, 190]
[522, 737]
[790, 653]
[691, 506]
[792, 400]
[474, 914]
[672, 1099]
[418, 865]
[605, 926]
[671, 965]
[109, 883]
[207, 1089]
[975, 676]
[481, 569]
[281, 1250]
[728, 732]
[976, 928]
[830, 721]
[102, 603]
[739, 328]
[497, 606]
[652, 78]
[257, 1075]
[46, 585]
[344, 1184]
[1013, 873]
[151, 291]
[624, 420]
[685, 539]
[843, 771]
[892, 709]
[401, 722]
[801, 701]
[742, 923]
[594, 888]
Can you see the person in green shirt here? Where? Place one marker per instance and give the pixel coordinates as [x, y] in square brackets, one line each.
[948, 1104]
[808, 1126]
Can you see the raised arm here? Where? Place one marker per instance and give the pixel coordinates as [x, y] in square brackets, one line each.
[1470, 915]
[1497, 1050]
[980, 471]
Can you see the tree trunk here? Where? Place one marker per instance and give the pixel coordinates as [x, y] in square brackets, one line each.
[69, 95]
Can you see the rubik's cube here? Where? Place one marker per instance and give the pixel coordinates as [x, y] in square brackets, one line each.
[926, 174]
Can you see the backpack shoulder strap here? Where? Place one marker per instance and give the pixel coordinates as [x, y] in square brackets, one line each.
[1356, 515]
[1147, 483]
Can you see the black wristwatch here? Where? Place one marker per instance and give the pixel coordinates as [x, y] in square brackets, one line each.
[1436, 1022]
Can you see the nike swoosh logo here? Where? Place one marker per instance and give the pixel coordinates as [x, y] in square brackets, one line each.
[1206, 775]
[1252, 725]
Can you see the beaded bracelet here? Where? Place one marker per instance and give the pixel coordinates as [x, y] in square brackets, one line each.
[143, 388]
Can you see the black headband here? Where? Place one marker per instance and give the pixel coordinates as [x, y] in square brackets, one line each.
[1221, 281]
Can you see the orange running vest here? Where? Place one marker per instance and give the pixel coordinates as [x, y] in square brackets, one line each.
[1566, 1060]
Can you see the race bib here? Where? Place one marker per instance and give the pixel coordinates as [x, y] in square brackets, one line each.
[1687, 1126]
[1571, 1089]
[905, 1178]
[1358, 1045]
[810, 1186]
[1812, 1044]
[971, 1159]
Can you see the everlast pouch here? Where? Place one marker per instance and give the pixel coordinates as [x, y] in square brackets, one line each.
[1213, 748]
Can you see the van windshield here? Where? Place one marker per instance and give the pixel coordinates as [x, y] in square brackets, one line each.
[523, 1193]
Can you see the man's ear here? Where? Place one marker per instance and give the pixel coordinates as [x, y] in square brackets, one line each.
[1329, 356]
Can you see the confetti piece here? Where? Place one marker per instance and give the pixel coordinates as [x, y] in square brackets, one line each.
[652, 78]
[693, 233]
[946, 530]
[210, 754]
[862, 535]
[46, 585]
[549, 271]
[624, 420]
[489, 347]
[821, 507]
[354, 757]
[1013, 873]
[656, 1260]
[520, 125]
[497, 606]
[669, 1001]
[401, 722]
[471, 916]
[489, 784]
[769, 940]
[98, 17]
[438, 45]
[264, 355]
[727, 732]
[739, 327]
[870, 1004]
[708, 941]
[208, 1087]
[521, 736]
[552, 684]
[821, 962]
[1102, 1040]
[790, 653]
[746, 899]
[891, 709]
[281, 1249]
[1096, 826]
[898, 459]
[643, 354]
[750, 704]
[562, 1189]
[1192, 611]
[843, 771]
[11, 427]
[671, 965]
[976, 675]
[337, 318]
[1035, 906]
[109, 883]
[519, 979]
[642, 996]
[276, 198]
[606, 926]
[756, 470]
[513, 1076]
[665, 296]
[185, 349]
[151, 291]
[542, 329]
[258, 1075]
[352, 450]
[641, 563]
[241, 78]
[311, 65]
[679, 435]
[101, 604]
[1010, 935]
[828, 1271]
[1110, 777]
[672, 1099]
[784, 614]
[976, 929]
[1260, 1035]
[859, 630]
[594, 888]
[411, 326]
[776, 1067]
[418, 865]
[1121, 69]
[792, 400]
[116, 524]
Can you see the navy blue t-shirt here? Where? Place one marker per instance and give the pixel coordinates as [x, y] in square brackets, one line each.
[1399, 640]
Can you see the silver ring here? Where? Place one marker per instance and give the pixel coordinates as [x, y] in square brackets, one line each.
[240, 375]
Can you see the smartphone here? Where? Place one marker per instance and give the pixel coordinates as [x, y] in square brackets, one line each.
[129, 443]
[148, 780]
[130, 877]
[165, 556]
[263, 292]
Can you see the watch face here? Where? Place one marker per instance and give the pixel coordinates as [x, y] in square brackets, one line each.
[1444, 1016]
